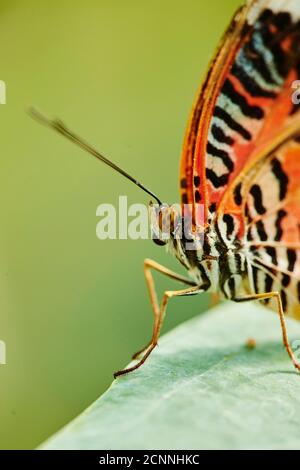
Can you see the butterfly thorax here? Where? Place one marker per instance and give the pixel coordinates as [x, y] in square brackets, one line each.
[215, 263]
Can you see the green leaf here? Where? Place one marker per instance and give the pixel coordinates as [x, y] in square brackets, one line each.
[201, 389]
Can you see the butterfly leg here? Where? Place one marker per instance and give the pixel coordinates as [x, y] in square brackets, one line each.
[159, 311]
[150, 266]
[214, 299]
[275, 295]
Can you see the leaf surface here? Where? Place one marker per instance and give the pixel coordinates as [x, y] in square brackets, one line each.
[201, 389]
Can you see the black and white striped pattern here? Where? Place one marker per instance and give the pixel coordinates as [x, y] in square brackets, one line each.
[258, 72]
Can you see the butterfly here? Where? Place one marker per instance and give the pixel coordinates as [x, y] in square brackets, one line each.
[239, 173]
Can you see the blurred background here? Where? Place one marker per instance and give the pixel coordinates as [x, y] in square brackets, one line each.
[123, 74]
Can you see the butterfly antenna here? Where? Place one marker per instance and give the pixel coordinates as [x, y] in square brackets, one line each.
[61, 128]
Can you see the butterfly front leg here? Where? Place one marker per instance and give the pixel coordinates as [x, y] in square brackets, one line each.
[149, 266]
[159, 311]
[275, 295]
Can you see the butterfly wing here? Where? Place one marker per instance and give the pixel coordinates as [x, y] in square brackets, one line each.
[262, 199]
[187, 180]
[190, 184]
[245, 101]
[270, 195]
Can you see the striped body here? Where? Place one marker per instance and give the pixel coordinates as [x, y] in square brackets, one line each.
[221, 267]
[235, 268]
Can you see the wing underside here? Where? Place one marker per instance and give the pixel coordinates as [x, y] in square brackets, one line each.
[244, 103]
[271, 196]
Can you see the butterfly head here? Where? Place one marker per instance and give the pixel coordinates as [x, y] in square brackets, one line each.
[165, 222]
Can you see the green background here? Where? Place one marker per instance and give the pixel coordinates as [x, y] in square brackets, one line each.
[123, 74]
